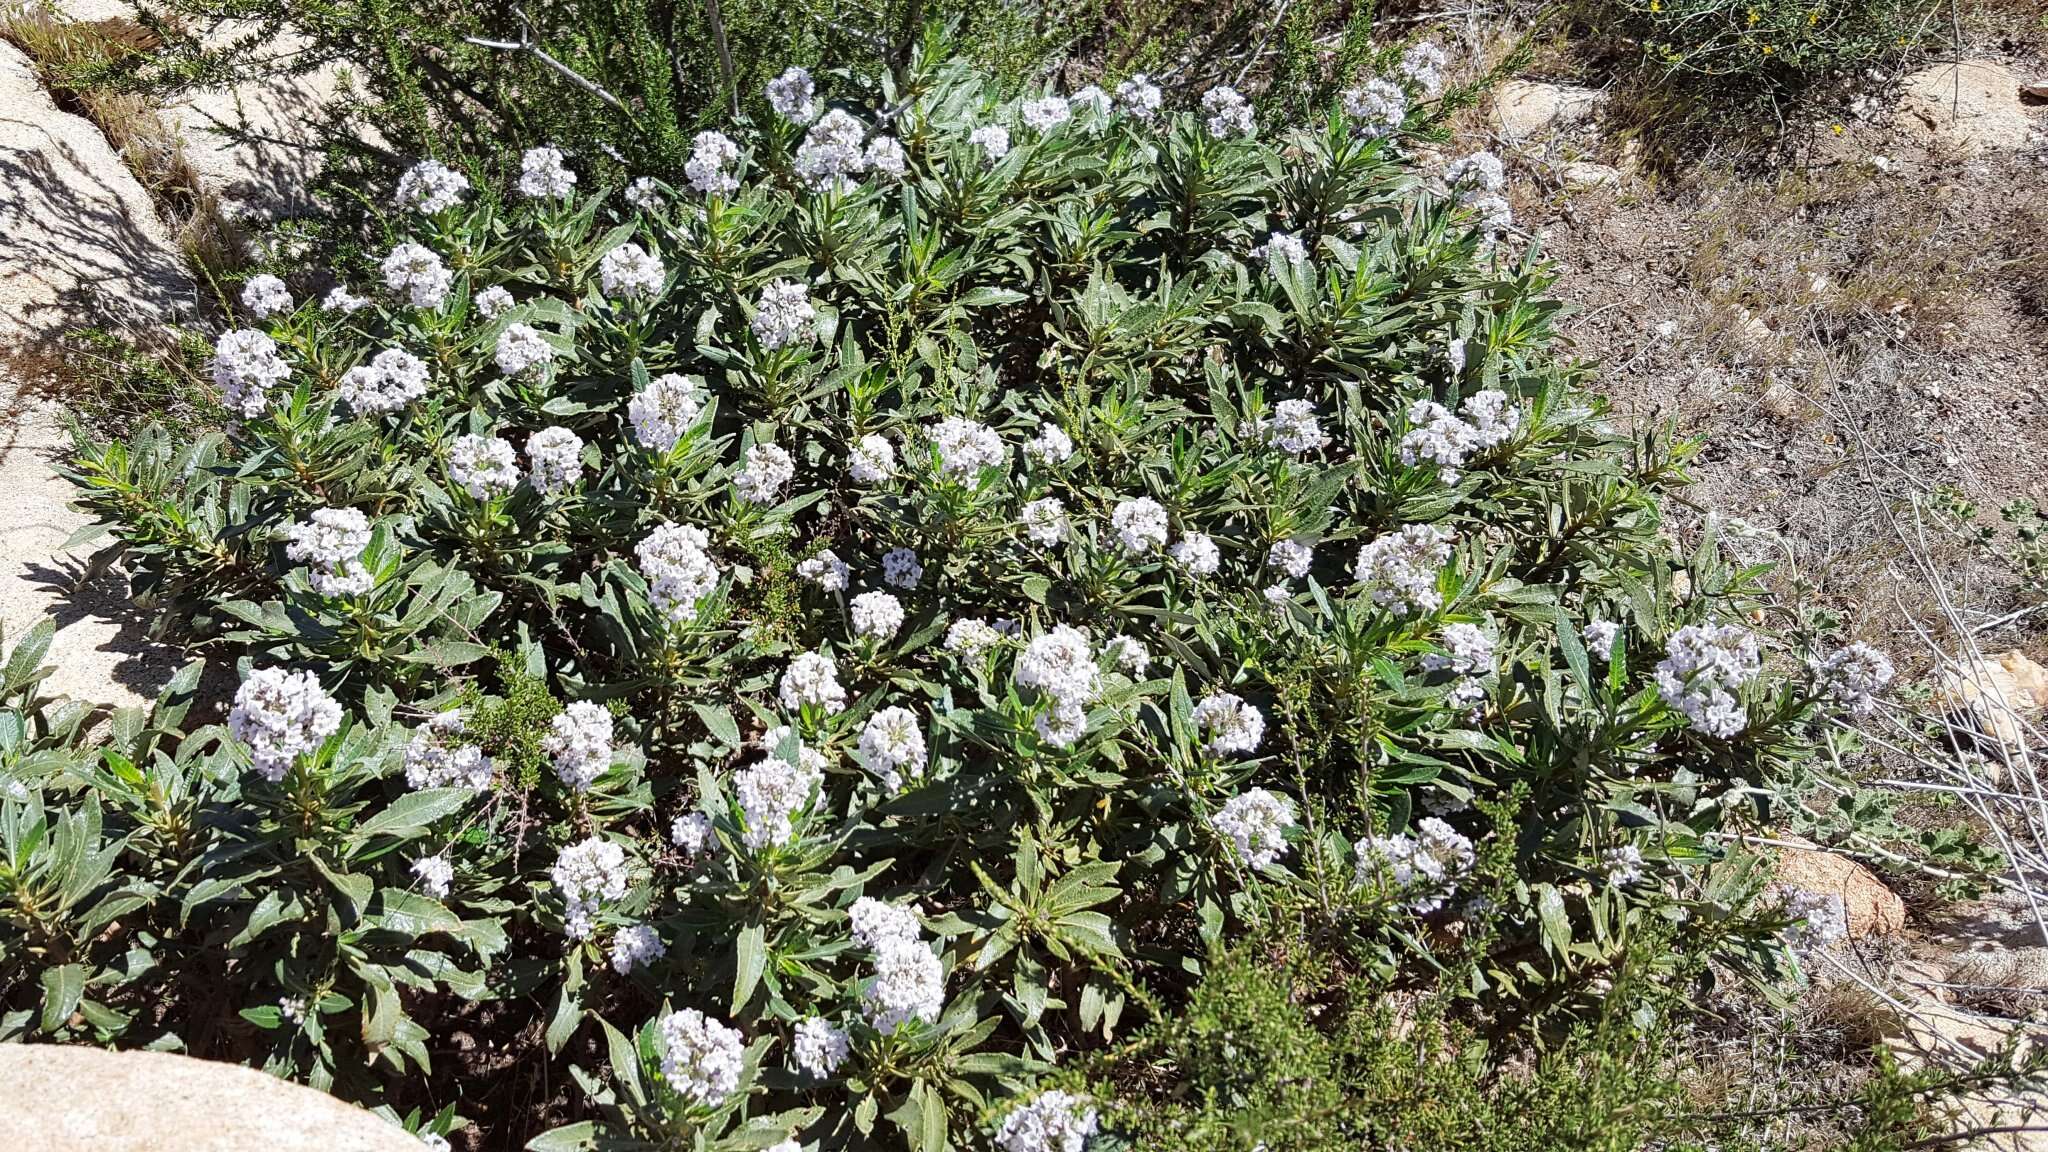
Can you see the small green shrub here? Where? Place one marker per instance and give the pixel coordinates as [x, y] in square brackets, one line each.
[822, 649]
[1705, 59]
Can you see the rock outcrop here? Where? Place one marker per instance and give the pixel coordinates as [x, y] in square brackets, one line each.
[68, 1099]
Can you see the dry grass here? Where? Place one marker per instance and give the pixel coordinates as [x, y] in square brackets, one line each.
[74, 59]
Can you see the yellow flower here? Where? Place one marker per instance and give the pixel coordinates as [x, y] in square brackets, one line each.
[1752, 17]
[1767, 49]
[1813, 18]
[1837, 129]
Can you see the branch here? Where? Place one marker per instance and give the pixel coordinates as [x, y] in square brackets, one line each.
[526, 43]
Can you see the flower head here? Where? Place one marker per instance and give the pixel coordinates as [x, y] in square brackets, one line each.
[783, 315]
[281, 716]
[483, 466]
[1140, 525]
[712, 154]
[663, 411]
[1233, 725]
[543, 176]
[876, 615]
[554, 458]
[417, 271]
[520, 347]
[635, 946]
[1229, 113]
[812, 679]
[1256, 822]
[580, 741]
[429, 187]
[1055, 1121]
[246, 366]
[588, 874]
[700, 1057]
[630, 272]
[678, 570]
[893, 744]
[791, 96]
[265, 296]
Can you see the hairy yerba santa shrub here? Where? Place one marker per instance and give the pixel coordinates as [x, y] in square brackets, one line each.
[819, 647]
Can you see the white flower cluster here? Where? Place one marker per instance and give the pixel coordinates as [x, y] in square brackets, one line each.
[1197, 554]
[1060, 665]
[885, 156]
[1436, 436]
[1470, 655]
[1055, 1121]
[392, 379]
[630, 272]
[972, 637]
[909, 982]
[830, 156]
[1377, 108]
[429, 187]
[635, 946]
[1291, 557]
[818, 1047]
[1140, 525]
[521, 347]
[992, 139]
[1419, 870]
[1045, 113]
[876, 615]
[773, 794]
[1130, 655]
[330, 542]
[1140, 98]
[812, 679]
[1853, 677]
[1044, 520]
[1052, 445]
[588, 874]
[281, 716]
[1600, 636]
[340, 299]
[579, 740]
[437, 756]
[826, 570]
[768, 470]
[435, 874]
[700, 1057]
[1288, 247]
[265, 296]
[1423, 65]
[1479, 181]
[644, 194]
[483, 466]
[554, 460]
[692, 832]
[543, 176]
[1229, 113]
[872, 460]
[1294, 428]
[1623, 865]
[246, 366]
[1256, 822]
[663, 411]
[1400, 569]
[493, 302]
[1234, 726]
[966, 447]
[790, 94]
[893, 744]
[874, 921]
[711, 155]
[1704, 670]
[678, 570]
[900, 568]
[783, 315]
[1820, 920]
[417, 271]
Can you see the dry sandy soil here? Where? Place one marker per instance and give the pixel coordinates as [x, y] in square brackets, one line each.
[1849, 331]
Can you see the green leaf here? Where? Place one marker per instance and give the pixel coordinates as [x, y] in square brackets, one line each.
[62, 986]
[446, 654]
[752, 960]
[578, 1137]
[414, 811]
[718, 720]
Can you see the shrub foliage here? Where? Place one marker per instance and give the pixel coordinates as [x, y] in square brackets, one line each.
[814, 658]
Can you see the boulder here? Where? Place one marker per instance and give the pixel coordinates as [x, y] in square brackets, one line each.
[1971, 106]
[257, 145]
[1586, 174]
[56, 1098]
[1526, 109]
[1998, 699]
[80, 241]
[1872, 909]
